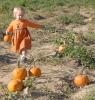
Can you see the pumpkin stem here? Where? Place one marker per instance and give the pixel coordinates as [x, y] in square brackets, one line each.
[81, 71]
[34, 61]
[18, 63]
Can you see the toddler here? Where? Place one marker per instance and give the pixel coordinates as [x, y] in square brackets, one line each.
[21, 39]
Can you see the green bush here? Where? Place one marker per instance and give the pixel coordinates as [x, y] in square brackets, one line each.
[77, 51]
[81, 53]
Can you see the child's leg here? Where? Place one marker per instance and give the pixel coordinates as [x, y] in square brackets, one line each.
[23, 55]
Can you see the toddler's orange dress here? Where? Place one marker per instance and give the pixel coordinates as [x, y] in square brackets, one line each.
[21, 38]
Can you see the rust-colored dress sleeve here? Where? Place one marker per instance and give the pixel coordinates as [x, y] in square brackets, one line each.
[33, 25]
[10, 27]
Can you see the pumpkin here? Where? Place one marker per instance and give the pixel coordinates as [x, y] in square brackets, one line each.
[7, 38]
[81, 80]
[34, 71]
[19, 72]
[15, 85]
[61, 49]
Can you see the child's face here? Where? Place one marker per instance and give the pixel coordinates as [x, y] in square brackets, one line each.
[19, 16]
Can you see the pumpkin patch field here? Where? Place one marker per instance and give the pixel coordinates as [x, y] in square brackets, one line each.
[61, 62]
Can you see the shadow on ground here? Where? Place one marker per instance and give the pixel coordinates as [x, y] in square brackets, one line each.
[8, 58]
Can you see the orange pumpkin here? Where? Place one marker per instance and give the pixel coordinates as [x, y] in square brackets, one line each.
[81, 80]
[19, 73]
[7, 38]
[35, 71]
[61, 48]
[15, 85]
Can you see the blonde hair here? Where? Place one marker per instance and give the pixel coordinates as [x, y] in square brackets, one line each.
[18, 10]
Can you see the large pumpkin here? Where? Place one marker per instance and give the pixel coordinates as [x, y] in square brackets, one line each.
[34, 71]
[81, 80]
[15, 85]
[19, 73]
[7, 38]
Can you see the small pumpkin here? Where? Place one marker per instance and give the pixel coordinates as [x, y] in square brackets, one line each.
[19, 73]
[81, 80]
[15, 85]
[34, 71]
[62, 47]
[7, 38]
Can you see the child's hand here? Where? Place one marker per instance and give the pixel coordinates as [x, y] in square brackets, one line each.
[7, 33]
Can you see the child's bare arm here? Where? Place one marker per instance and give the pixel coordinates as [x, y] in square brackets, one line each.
[34, 25]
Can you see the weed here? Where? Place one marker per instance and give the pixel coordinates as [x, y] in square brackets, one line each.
[91, 96]
[75, 18]
[30, 82]
[89, 37]
[48, 93]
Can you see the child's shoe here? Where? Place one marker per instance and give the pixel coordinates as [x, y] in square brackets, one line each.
[23, 59]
